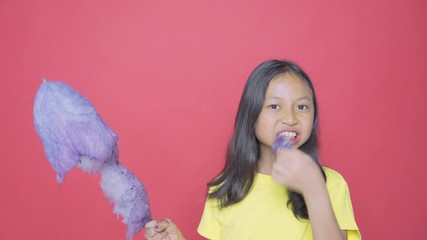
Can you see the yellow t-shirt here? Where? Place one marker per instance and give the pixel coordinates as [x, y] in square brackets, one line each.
[264, 215]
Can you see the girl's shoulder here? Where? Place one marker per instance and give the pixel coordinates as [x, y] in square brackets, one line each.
[333, 176]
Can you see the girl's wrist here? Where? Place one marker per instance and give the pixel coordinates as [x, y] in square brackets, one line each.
[316, 192]
[315, 185]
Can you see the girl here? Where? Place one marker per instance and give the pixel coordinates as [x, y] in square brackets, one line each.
[261, 194]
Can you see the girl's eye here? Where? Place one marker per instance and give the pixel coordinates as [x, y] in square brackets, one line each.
[274, 106]
[302, 107]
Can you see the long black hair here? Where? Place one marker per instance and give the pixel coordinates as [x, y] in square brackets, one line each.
[235, 180]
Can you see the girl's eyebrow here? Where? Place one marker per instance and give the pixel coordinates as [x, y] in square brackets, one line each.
[273, 97]
[300, 98]
[305, 97]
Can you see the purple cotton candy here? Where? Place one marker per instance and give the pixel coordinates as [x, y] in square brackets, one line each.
[73, 134]
[281, 142]
[70, 128]
[128, 195]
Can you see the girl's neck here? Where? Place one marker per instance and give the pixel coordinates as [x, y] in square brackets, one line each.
[266, 160]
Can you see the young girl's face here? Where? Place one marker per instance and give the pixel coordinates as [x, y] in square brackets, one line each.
[288, 111]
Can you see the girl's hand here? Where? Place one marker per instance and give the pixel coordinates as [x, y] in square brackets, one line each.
[162, 230]
[297, 171]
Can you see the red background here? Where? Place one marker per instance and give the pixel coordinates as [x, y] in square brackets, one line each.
[167, 77]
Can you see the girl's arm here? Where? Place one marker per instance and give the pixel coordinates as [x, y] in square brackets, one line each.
[297, 171]
[322, 217]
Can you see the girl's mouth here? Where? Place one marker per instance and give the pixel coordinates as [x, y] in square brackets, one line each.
[286, 139]
[290, 135]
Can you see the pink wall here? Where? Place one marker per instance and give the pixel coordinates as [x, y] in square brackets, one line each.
[167, 77]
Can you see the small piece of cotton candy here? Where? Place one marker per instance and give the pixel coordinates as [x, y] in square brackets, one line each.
[281, 142]
[69, 128]
[128, 195]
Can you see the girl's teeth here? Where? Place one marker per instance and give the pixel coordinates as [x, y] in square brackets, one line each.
[289, 135]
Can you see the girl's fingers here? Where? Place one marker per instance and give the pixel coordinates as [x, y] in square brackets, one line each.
[157, 230]
[150, 230]
[153, 235]
[151, 224]
[161, 225]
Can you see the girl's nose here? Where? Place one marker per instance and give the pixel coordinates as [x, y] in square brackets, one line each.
[289, 118]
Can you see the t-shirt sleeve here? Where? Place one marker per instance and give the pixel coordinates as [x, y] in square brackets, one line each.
[209, 226]
[341, 204]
